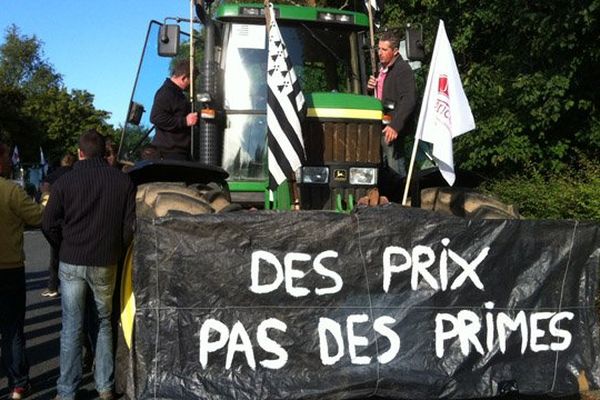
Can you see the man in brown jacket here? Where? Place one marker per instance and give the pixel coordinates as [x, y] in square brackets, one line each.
[17, 209]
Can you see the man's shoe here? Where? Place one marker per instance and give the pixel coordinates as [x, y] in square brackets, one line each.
[49, 293]
[19, 392]
[106, 395]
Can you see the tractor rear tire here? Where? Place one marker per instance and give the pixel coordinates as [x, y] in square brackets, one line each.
[466, 203]
[158, 199]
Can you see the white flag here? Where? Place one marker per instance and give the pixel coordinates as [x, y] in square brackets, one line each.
[43, 162]
[285, 107]
[445, 113]
[16, 159]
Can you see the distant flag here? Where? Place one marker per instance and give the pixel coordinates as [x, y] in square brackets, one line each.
[43, 162]
[15, 156]
[285, 107]
[445, 111]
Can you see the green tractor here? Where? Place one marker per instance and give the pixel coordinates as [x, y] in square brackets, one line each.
[343, 124]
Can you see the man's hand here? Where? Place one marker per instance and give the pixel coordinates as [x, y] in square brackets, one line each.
[390, 134]
[191, 119]
[372, 83]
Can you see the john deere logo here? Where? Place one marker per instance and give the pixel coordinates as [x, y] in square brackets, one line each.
[340, 175]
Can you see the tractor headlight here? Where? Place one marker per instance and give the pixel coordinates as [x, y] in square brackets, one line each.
[315, 175]
[363, 176]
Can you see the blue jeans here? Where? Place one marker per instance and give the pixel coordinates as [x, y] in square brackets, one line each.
[12, 318]
[74, 283]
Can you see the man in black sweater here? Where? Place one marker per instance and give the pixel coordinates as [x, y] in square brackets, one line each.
[171, 115]
[90, 218]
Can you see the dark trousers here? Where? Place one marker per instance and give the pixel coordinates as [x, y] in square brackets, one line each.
[12, 320]
[53, 270]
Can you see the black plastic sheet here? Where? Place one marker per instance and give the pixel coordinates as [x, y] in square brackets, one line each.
[358, 305]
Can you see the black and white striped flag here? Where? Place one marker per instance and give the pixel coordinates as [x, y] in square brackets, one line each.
[285, 108]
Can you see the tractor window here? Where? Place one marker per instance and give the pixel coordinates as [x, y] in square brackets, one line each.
[322, 59]
[244, 146]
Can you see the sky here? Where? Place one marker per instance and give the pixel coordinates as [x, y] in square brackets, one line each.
[95, 45]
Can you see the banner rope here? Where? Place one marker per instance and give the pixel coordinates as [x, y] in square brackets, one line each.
[562, 291]
[364, 265]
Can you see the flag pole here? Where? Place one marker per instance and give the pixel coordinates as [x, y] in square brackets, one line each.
[410, 171]
[267, 16]
[372, 40]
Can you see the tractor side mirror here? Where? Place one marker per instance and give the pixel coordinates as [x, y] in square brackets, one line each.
[135, 113]
[415, 51]
[168, 40]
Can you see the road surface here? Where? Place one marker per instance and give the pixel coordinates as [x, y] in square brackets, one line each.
[42, 326]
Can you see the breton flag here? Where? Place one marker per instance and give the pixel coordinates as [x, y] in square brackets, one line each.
[445, 113]
[43, 162]
[15, 156]
[285, 105]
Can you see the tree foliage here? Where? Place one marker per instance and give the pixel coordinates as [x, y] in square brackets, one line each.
[528, 70]
[36, 109]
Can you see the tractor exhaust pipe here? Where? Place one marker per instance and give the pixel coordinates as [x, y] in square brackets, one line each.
[208, 149]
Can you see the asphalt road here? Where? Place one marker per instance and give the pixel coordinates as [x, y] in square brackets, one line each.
[42, 326]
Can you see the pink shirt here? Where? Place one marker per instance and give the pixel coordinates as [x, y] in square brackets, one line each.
[380, 79]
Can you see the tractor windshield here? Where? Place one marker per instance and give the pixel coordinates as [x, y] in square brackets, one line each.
[324, 59]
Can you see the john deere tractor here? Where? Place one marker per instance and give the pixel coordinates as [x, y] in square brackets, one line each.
[343, 124]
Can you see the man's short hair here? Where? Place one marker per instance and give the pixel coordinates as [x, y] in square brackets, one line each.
[182, 67]
[391, 37]
[68, 160]
[92, 144]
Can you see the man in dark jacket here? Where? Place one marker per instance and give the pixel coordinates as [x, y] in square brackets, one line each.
[395, 83]
[90, 218]
[171, 115]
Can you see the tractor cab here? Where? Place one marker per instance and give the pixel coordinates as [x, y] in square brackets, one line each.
[342, 125]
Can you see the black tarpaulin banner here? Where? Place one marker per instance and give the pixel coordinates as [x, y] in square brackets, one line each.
[389, 302]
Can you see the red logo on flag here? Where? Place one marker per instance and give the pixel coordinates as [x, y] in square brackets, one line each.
[443, 85]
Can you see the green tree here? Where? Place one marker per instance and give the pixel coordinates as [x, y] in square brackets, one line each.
[528, 69]
[35, 107]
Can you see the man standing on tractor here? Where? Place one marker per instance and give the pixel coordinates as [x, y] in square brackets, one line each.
[171, 115]
[395, 84]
